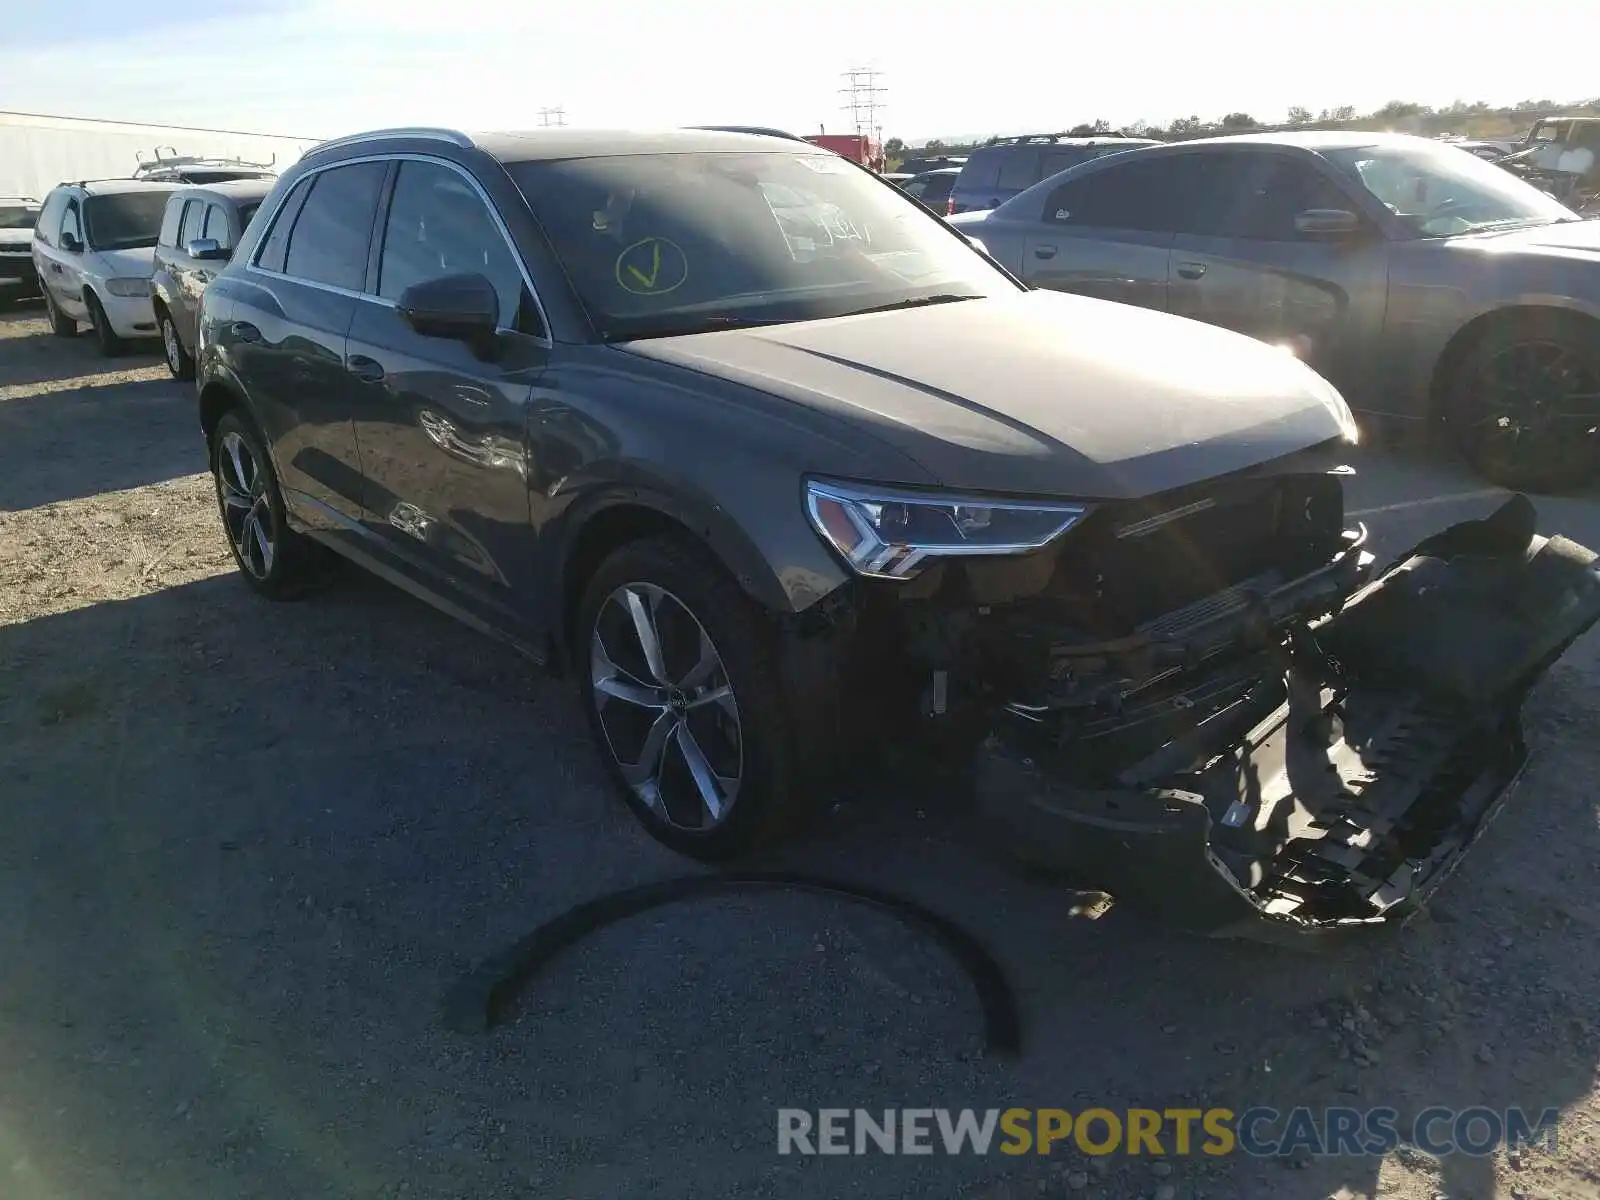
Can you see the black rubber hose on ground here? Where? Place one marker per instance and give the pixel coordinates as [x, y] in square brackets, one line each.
[482, 998]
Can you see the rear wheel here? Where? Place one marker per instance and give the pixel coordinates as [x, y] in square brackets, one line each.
[178, 360]
[61, 325]
[1526, 402]
[274, 560]
[680, 683]
[110, 343]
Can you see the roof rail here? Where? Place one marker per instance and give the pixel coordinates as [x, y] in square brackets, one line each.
[759, 130]
[166, 160]
[425, 132]
[1048, 138]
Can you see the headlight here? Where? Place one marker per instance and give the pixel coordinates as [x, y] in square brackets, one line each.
[128, 287]
[890, 535]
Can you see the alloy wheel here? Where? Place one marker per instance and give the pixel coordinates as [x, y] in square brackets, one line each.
[246, 506]
[169, 339]
[667, 707]
[1537, 401]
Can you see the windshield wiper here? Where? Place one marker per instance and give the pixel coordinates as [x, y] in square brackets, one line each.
[915, 302]
[708, 323]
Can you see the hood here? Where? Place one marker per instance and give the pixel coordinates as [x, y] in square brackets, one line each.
[1039, 393]
[130, 263]
[1568, 239]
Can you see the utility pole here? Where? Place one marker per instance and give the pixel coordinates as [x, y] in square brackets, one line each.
[552, 116]
[864, 100]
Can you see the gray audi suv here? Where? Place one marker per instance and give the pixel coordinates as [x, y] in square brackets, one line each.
[781, 468]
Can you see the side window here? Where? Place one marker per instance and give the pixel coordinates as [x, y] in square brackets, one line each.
[194, 212]
[438, 225]
[1056, 161]
[1152, 196]
[48, 226]
[981, 170]
[216, 226]
[275, 246]
[170, 220]
[71, 223]
[1257, 197]
[329, 241]
[914, 187]
[1019, 169]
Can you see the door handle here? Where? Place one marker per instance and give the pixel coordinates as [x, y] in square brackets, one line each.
[1044, 251]
[245, 331]
[56, 267]
[364, 368]
[1191, 270]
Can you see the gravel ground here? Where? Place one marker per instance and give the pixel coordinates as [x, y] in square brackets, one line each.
[248, 846]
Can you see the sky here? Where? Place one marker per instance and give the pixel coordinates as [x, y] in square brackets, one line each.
[319, 68]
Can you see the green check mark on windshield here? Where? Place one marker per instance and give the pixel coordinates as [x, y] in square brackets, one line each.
[649, 281]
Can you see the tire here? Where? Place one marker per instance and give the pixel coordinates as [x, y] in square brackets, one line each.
[747, 737]
[273, 559]
[1505, 401]
[105, 337]
[179, 362]
[61, 325]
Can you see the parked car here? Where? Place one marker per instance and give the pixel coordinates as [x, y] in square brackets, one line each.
[771, 496]
[18, 279]
[996, 172]
[1423, 282]
[199, 229]
[932, 187]
[93, 248]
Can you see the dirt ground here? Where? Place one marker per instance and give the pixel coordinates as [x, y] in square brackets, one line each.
[249, 846]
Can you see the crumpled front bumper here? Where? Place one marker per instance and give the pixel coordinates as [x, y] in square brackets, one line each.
[1347, 782]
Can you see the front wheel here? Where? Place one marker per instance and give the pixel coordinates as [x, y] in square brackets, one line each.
[106, 337]
[1526, 402]
[680, 683]
[179, 363]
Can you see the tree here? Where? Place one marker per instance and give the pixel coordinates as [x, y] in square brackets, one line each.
[1240, 120]
[934, 146]
[1186, 127]
[1299, 115]
[894, 146]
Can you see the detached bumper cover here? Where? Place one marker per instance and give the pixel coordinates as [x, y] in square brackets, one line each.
[1344, 781]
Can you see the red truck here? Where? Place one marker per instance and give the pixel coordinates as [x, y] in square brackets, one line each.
[857, 147]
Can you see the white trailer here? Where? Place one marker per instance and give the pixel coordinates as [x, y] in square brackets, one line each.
[37, 152]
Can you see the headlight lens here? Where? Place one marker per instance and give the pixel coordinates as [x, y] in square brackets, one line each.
[128, 287]
[892, 535]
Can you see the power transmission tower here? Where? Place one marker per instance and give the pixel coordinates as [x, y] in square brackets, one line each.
[864, 100]
[552, 116]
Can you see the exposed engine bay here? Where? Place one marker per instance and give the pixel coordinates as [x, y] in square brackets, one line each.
[1210, 705]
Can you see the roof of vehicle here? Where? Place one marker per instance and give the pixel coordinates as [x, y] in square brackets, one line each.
[938, 171]
[1316, 139]
[117, 187]
[1064, 139]
[234, 189]
[558, 143]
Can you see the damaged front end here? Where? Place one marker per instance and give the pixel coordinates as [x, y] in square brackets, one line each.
[1210, 708]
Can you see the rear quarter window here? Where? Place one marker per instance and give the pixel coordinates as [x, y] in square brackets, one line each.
[1019, 169]
[982, 170]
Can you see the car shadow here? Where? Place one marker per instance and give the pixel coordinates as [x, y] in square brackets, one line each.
[85, 440]
[256, 842]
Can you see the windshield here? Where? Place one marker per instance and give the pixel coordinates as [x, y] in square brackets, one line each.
[15, 215]
[657, 244]
[128, 221]
[1441, 191]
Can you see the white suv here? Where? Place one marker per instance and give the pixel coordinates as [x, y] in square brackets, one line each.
[93, 248]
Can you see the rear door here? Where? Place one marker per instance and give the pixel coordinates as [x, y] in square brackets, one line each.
[442, 429]
[286, 336]
[1108, 231]
[1245, 266]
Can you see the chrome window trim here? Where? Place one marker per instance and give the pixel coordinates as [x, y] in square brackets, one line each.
[546, 339]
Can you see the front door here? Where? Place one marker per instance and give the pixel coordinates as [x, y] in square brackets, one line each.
[1245, 266]
[65, 270]
[442, 428]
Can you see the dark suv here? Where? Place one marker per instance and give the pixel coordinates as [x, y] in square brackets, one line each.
[995, 172]
[781, 468]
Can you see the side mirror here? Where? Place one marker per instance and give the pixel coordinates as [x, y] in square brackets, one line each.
[71, 244]
[464, 308]
[205, 250]
[1327, 223]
